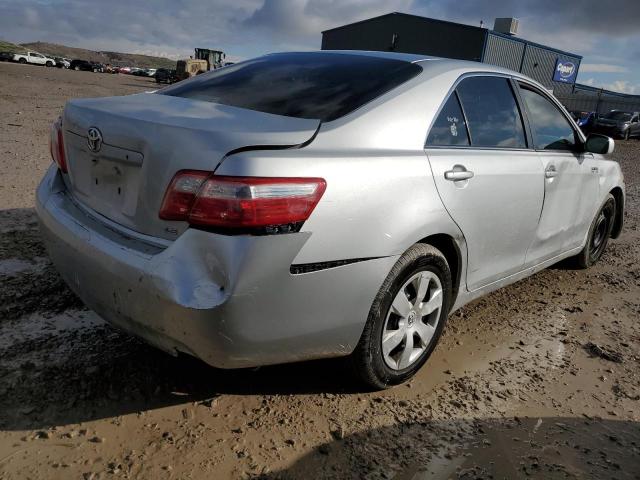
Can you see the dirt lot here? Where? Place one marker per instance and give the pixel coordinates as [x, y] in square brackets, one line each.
[511, 391]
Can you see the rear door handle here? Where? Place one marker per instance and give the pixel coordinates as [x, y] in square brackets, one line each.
[457, 175]
[551, 171]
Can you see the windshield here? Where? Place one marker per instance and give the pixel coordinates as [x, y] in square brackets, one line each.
[311, 85]
[618, 116]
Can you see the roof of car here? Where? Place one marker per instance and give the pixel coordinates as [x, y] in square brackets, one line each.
[431, 65]
[415, 58]
[407, 57]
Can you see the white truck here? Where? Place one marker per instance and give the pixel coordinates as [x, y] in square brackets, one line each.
[34, 58]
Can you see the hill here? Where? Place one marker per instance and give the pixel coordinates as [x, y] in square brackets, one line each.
[10, 47]
[114, 58]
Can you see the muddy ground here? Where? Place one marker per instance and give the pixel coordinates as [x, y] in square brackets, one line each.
[511, 391]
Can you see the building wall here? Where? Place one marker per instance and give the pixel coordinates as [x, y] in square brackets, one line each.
[503, 52]
[600, 101]
[427, 36]
[534, 61]
[540, 63]
[414, 35]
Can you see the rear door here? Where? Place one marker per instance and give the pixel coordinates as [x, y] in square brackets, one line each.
[488, 179]
[570, 177]
[37, 58]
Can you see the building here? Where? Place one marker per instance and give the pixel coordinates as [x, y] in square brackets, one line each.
[401, 32]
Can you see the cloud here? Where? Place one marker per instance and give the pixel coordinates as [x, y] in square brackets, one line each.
[606, 34]
[620, 86]
[301, 21]
[623, 86]
[602, 68]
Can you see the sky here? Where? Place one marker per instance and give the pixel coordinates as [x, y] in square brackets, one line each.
[605, 33]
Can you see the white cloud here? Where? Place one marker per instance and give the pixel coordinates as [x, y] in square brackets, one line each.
[602, 68]
[623, 86]
[620, 86]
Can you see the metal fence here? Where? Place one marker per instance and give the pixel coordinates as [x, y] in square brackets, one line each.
[588, 99]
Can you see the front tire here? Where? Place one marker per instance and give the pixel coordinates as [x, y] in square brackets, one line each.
[22, 61]
[406, 319]
[599, 234]
[48, 64]
[627, 134]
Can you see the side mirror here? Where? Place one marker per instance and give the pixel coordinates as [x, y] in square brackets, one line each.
[599, 144]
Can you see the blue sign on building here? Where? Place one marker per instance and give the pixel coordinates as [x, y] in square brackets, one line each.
[565, 71]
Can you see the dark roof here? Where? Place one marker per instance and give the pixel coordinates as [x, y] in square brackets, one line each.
[400, 14]
[458, 25]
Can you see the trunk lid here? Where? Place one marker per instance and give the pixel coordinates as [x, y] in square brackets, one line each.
[146, 138]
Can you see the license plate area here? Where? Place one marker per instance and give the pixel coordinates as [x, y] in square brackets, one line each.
[108, 180]
[114, 184]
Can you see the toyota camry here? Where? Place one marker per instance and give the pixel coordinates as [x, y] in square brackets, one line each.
[321, 204]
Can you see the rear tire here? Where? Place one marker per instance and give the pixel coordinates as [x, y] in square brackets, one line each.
[76, 68]
[627, 134]
[48, 64]
[22, 60]
[377, 360]
[599, 234]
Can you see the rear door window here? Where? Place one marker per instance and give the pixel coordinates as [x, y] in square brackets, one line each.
[449, 129]
[550, 128]
[492, 113]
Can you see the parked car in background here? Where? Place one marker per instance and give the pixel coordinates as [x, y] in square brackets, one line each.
[347, 209]
[165, 75]
[585, 120]
[6, 56]
[139, 72]
[151, 72]
[618, 123]
[85, 65]
[34, 58]
[125, 70]
[62, 62]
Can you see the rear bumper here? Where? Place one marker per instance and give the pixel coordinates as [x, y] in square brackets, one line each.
[229, 300]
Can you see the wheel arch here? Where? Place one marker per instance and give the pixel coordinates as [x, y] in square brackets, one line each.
[451, 251]
[619, 219]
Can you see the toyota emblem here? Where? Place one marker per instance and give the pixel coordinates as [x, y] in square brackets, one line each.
[94, 139]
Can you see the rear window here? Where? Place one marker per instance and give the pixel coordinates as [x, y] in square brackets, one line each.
[304, 85]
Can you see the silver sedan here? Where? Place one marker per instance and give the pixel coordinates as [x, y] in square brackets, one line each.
[320, 204]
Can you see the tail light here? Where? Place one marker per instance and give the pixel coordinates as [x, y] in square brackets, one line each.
[56, 146]
[270, 204]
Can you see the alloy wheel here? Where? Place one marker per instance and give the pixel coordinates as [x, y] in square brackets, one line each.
[412, 320]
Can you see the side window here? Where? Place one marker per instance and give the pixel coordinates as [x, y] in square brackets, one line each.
[449, 128]
[492, 112]
[550, 128]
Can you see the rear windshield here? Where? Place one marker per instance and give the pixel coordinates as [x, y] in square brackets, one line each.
[304, 85]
